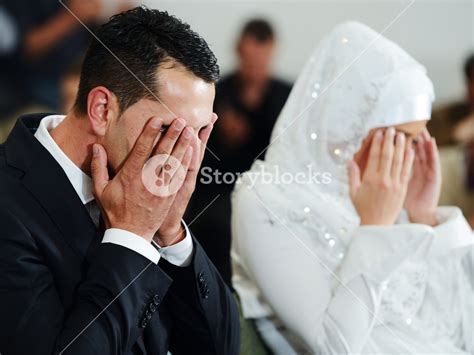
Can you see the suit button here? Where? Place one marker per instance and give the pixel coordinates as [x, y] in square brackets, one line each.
[204, 290]
[148, 314]
[152, 307]
[201, 278]
[156, 300]
[144, 323]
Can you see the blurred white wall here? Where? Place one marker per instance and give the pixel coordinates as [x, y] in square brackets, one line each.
[439, 33]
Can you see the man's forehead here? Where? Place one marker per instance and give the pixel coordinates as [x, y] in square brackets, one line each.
[196, 117]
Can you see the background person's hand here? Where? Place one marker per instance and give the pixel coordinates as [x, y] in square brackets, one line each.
[86, 10]
[378, 198]
[125, 201]
[171, 231]
[424, 188]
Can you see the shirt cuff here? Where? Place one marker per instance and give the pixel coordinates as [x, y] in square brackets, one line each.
[179, 254]
[133, 242]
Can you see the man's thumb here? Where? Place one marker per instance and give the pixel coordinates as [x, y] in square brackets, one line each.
[99, 172]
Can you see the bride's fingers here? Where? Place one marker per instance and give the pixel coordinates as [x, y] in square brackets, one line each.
[426, 134]
[433, 154]
[387, 152]
[354, 178]
[421, 148]
[407, 165]
[374, 154]
[398, 155]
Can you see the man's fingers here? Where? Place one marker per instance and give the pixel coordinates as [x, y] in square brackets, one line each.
[168, 140]
[398, 155]
[144, 145]
[198, 153]
[354, 177]
[99, 172]
[204, 135]
[180, 150]
[190, 178]
[188, 156]
[387, 152]
[374, 154]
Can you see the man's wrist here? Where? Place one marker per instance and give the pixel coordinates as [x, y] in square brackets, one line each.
[169, 236]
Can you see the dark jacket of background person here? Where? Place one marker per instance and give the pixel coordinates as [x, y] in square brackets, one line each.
[470, 165]
[35, 79]
[445, 118]
[60, 287]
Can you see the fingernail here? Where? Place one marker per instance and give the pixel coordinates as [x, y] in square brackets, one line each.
[95, 150]
[391, 130]
[179, 125]
[188, 132]
[156, 123]
[378, 135]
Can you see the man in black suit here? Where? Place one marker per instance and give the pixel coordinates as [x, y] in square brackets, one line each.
[93, 258]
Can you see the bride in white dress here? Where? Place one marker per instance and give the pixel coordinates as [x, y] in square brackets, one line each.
[369, 264]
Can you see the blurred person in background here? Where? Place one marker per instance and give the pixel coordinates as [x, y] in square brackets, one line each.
[459, 129]
[248, 102]
[69, 86]
[445, 124]
[50, 39]
[464, 130]
[8, 42]
[470, 174]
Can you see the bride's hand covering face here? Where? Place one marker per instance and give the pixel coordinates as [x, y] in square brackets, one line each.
[424, 188]
[379, 195]
[420, 194]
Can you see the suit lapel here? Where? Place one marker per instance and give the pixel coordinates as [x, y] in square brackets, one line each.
[48, 183]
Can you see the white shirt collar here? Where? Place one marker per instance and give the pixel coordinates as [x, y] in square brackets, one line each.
[79, 180]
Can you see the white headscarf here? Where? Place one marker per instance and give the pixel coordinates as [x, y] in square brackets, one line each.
[354, 81]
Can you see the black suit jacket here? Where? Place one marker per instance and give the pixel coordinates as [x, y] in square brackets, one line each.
[63, 291]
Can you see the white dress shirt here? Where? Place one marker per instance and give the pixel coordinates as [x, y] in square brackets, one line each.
[178, 254]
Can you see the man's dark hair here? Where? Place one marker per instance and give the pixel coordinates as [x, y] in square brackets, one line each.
[259, 29]
[141, 39]
[469, 68]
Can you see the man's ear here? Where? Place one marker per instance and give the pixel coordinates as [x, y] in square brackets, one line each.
[102, 108]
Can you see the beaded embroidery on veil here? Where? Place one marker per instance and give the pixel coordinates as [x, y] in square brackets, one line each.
[355, 80]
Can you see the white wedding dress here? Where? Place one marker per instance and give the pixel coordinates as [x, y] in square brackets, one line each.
[314, 280]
